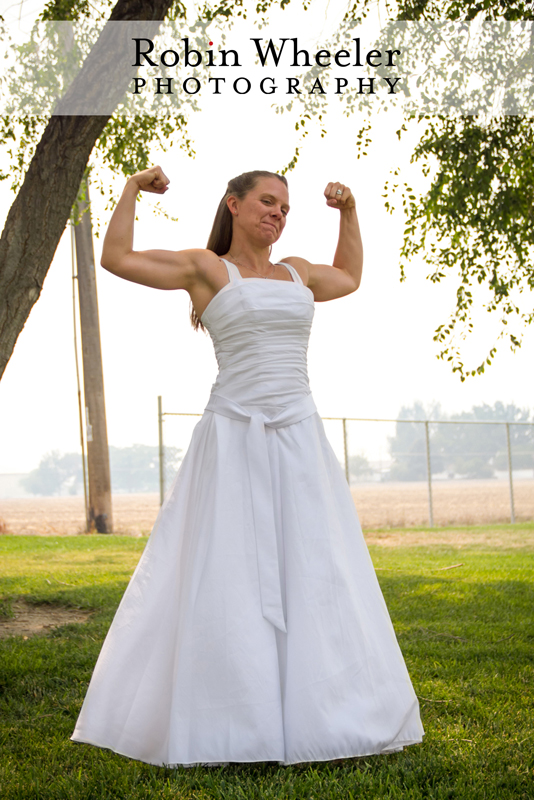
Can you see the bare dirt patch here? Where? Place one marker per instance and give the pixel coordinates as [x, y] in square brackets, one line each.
[28, 619]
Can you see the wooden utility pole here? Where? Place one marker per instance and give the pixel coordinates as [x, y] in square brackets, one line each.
[100, 513]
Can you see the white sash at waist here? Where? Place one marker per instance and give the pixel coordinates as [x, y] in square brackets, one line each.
[262, 492]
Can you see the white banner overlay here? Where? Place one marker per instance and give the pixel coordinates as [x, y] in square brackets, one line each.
[153, 68]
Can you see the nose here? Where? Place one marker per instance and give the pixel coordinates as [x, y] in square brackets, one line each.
[276, 211]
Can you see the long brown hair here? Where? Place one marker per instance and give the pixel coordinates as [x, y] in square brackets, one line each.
[220, 238]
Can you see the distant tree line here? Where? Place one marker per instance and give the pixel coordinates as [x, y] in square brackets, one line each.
[460, 451]
[133, 469]
[456, 451]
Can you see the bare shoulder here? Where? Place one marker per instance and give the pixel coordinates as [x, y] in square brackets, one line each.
[205, 262]
[196, 266]
[301, 265]
[325, 281]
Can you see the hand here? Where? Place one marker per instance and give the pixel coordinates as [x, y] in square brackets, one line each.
[343, 201]
[151, 180]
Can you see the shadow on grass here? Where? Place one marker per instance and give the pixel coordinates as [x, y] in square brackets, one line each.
[102, 598]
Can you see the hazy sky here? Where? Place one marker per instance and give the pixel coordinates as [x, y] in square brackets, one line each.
[370, 353]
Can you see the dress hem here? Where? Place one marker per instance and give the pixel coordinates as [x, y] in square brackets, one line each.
[175, 765]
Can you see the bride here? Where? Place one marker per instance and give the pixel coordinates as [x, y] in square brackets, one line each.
[254, 627]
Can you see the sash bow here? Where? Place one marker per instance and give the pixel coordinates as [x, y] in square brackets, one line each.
[262, 492]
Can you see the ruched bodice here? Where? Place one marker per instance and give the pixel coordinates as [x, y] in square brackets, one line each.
[260, 331]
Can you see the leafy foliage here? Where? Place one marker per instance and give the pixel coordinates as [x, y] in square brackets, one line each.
[474, 222]
[126, 144]
[465, 10]
[476, 218]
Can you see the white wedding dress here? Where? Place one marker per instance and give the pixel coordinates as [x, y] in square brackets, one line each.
[254, 627]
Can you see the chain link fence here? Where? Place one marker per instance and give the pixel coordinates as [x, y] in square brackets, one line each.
[410, 472]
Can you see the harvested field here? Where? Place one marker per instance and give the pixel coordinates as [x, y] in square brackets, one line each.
[385, 505]
[133, 514]
[399, 505]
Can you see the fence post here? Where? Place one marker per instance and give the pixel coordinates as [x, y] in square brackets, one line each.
[346, 451]
[161, 459]
[429, 476]
[510, 476]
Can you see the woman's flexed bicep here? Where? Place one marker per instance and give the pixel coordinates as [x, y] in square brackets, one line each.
[160, 269]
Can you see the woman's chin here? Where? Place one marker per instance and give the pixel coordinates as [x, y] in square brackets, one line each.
[270, 240]
[270, 234]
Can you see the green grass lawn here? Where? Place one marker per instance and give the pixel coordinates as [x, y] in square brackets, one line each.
[467, 635]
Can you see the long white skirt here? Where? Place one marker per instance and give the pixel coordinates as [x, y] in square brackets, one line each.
[191, 672]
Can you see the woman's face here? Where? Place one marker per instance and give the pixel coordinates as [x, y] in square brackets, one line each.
[261, 214]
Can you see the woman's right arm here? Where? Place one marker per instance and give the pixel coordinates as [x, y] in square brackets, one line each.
[160, 269]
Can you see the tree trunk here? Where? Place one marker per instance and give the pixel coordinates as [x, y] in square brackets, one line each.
[37, 218]
[100, 511]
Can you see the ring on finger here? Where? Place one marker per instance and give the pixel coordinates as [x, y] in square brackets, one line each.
[339, 191]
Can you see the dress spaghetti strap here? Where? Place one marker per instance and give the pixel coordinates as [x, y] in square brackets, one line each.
[233, 272]
[293, 272]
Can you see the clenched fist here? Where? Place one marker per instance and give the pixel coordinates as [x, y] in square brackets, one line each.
[151, 180]
[339, 196]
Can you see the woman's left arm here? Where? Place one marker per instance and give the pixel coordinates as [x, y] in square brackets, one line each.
[328, 282]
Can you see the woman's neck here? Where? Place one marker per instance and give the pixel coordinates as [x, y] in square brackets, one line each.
[247, 255]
